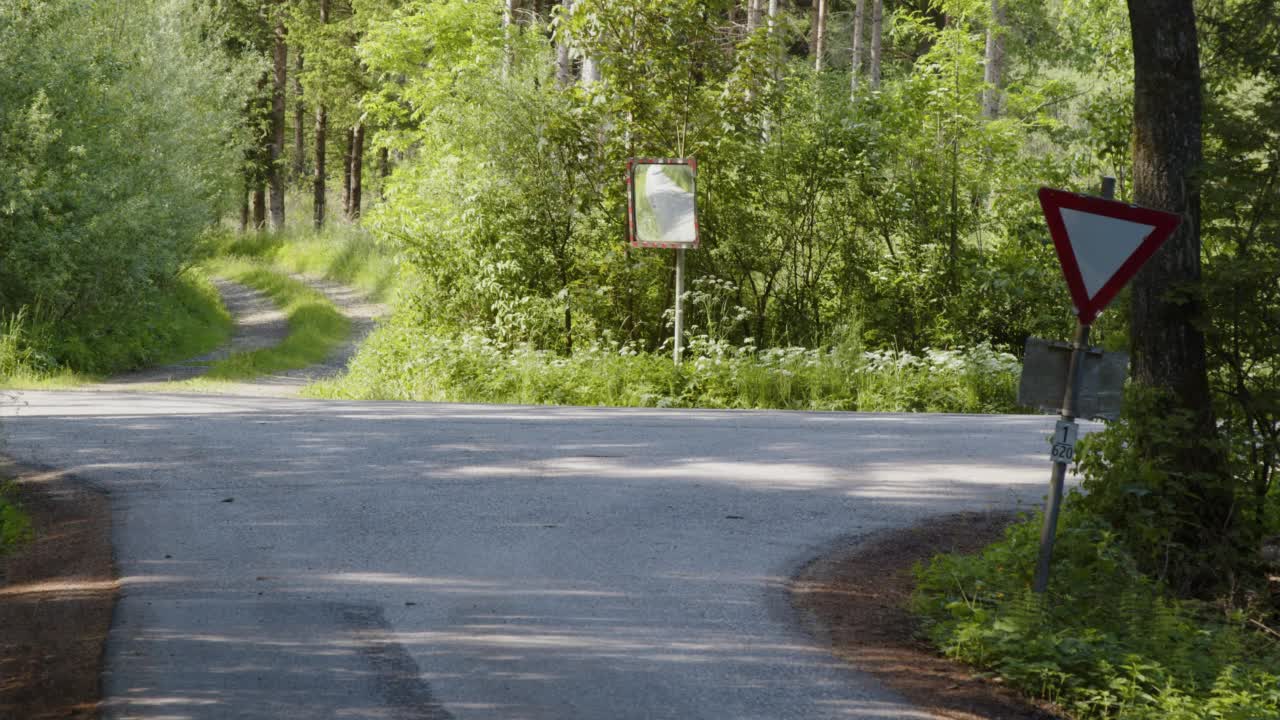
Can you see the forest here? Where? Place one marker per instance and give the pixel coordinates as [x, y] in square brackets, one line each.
[866, 188]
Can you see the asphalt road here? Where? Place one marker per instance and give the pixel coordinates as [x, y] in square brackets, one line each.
[286, 558]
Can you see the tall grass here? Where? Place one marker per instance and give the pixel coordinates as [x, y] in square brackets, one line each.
[315, 325]
[400, 362]
[182, 319]
[341, 252]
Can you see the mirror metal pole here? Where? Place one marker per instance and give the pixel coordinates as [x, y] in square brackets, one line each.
[679, 304]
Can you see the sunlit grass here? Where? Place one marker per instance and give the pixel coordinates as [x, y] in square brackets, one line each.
[185, 319]
[345, 253]
[316, 327]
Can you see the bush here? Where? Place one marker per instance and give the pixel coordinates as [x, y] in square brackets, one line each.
[1105, 641]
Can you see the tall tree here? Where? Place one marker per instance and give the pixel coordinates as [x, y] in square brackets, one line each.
[357, 172]
[280, 68]
[322, 132]
[994, 63]
[820, 35]
[1168, 347]
[299, 121]
[877, 28]
[859, 12]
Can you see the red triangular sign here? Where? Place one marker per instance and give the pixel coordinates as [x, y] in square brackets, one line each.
[1101, 244]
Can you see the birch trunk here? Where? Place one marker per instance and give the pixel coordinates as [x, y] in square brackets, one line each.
[564, 58]
[994, 73]
[508, 34]
[859, 11]
[877, 26]
[820, 36]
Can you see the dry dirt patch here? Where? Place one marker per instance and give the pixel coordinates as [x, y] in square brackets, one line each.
[56, 599]
[856, 597]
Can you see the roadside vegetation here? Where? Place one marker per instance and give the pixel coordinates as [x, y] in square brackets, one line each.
[1108, 640]
[15, 528]
[115, 157]
[342, 252]
[316, 326]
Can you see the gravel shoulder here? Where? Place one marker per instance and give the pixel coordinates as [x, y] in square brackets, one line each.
[57, 594]
[855, 598]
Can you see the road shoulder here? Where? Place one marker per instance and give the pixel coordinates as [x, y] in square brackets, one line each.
[854, 599]
[57, 594]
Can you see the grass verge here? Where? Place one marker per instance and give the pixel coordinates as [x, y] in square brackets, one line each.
[15, 527]
[183, 319]
[316, 326]
[1105, 641]
[344, 253]
[401, 362]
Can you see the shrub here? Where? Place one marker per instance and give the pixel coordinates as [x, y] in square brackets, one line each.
[1105, 641]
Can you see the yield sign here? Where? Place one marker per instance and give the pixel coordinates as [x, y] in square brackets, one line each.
[1101, 244]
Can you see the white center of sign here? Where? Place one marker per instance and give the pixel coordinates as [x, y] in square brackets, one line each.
[1101, 244]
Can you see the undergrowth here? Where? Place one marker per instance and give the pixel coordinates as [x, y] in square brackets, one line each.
[1106, 641]
[340, 252]
[181, 319]
[316, 327]
[15, 528]
[400, 362]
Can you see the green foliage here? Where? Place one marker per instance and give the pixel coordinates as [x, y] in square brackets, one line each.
[115, 137]
[345, 253]
[1105, 642]
[183, 318]
[315, 325]
[1195, 530]
[401, 362]
[15, 527]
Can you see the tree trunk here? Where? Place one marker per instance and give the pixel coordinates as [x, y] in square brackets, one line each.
[299, 122]
[259, 208]
[384, 171]
[508, 34]
[859, 12]
[348, 144]
[275, 176]
[753, 15]
[1167, 346]
[994, 74]
[820, 36]
[357, 171]
[564, 58]
[320, 176]
[877, 25]
[590, 71]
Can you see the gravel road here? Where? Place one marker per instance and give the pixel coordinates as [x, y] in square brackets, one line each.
[283, 558]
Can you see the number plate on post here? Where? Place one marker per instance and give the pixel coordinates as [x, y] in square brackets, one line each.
[1064, 442]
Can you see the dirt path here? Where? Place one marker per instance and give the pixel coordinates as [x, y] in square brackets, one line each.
[855, 599]
[260, 324]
